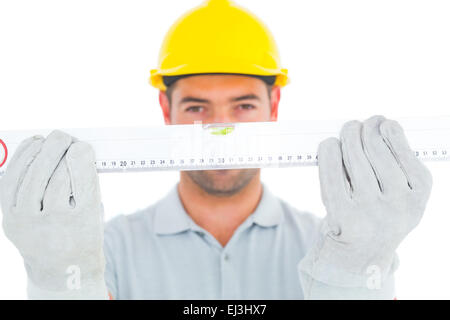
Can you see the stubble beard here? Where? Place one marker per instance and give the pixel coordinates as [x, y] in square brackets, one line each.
[222, 183]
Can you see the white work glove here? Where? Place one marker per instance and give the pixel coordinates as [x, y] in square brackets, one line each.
[375, 191]
[52, 212]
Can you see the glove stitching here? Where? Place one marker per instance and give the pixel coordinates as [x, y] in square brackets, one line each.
[23, 174]
[72, 201]
[347, 169]
[391, 148]
[368, 156]
[48, 181]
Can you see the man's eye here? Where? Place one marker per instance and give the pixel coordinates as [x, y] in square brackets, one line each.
[247, 106]
[194, 109]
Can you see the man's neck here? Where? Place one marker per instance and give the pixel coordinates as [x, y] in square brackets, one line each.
[220, 216]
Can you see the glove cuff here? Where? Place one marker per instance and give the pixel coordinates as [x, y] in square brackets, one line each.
[333, 264]
[95, 290]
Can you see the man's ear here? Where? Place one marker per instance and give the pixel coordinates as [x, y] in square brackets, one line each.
[274, 102]
[165, 106]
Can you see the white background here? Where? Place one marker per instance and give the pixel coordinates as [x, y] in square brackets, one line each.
[86, 64]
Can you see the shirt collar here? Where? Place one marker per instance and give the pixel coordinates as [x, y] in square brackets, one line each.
[171, 217]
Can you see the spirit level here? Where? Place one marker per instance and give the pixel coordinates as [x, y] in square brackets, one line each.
[226, 145]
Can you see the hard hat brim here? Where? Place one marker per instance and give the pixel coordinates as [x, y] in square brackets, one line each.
[156, 75]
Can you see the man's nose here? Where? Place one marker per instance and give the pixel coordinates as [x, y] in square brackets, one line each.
[221, 116]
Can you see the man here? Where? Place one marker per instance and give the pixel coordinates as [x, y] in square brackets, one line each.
[218, 234]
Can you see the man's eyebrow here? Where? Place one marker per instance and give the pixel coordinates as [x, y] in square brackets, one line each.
[193, 99]
[246, 97]
[198, 100]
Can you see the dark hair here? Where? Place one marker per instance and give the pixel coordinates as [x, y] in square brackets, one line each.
[170, 80]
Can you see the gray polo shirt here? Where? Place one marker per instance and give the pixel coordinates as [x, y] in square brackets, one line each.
[161, 253]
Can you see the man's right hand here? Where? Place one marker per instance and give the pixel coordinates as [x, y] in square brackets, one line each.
[52, 212]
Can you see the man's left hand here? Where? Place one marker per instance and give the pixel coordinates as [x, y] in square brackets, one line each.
[375, 191]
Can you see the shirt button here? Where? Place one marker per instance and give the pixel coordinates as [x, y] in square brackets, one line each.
[226, 257]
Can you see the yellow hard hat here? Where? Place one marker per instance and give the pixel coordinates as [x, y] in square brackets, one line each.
[218, 37]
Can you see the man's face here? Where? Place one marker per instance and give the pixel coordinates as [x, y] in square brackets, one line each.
[220, 99]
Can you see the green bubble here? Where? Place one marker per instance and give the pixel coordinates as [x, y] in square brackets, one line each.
[222, 131]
